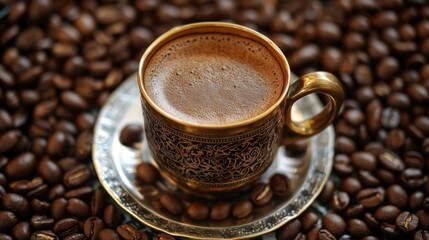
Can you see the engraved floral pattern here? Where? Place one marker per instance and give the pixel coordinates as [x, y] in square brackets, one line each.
[212, 162]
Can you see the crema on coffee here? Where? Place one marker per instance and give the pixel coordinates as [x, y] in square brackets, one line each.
[213, 78]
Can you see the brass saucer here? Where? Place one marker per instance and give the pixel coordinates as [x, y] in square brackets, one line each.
[115, 167]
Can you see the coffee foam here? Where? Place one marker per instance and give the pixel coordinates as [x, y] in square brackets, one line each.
[213, 78]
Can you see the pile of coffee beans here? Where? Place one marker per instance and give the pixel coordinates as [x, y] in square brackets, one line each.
[59, 61]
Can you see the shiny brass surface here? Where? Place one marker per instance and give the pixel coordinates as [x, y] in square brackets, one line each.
[212, 159]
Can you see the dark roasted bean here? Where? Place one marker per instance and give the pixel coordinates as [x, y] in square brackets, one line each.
[21, 231]
[108, 234]
[397, 196]
[7, 220]
[324, 234]
[92, 227]
[111, 217]
[197, 211]
[357, 228]
[279, 184]
[220, 210]
[76, 176]
[407, 222]
[242, 209]
[387, 213]
[261, 194]
[334, 224]
[370, 197]
[147, 172]
[308, 220]
[340, 201]
[289, 230]
[129, 232]
[65, 227]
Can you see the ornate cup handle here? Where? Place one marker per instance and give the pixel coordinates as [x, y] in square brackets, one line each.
[315, 82]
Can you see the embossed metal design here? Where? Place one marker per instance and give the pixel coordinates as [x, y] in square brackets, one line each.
[213, 162]
[115, 167]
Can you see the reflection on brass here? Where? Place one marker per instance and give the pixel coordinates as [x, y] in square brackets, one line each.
[222, 158]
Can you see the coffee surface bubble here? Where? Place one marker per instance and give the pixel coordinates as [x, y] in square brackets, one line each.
[213, 78]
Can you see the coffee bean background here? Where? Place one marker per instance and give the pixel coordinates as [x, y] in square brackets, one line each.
[60, 60]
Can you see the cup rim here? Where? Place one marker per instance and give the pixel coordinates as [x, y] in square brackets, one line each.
[234, 28]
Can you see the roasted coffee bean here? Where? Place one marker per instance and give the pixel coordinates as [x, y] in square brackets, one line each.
[7, 220]
[387, 213]
[290, 230]
[97, 203]
[327, 192]
[261, 194]
[296, 148]
[391, 161]
[344, 145]
[58, 145]
[163, 236]
[313, 234]
[39, 207]
[368, 179]
[397, 196]
[21, 231]
[414, 159]
[358, 228]
[370, 197]
[111, 217]
[67, 163]
[364, 161]
[171, 203]
[197, 211]
[340, 201]
[81, 193]
[58, 208]
[21, 166]
[77, 208]
[107, 234]
[421, 235]
[351, 186]
[412, 178]
[334, 224]
[342, 165]
[129, 232]
[131, 133]
[15, 203]
[279, 184]
[92, 227]
[56, 191]
[49, 171]
[354, 211]
[39, 222]
[416, 200]
[44, 235]
[9, 140]
[390, 118]
[65, 227]
[308, 220]
[371, 221]
[83, 148]
[76, 176]
[242, 209]
[407, 222]
[147, 172]
[389, 231]
[324, 234]
[220, 210]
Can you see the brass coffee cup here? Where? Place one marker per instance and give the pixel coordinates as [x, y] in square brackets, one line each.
[211, 159]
